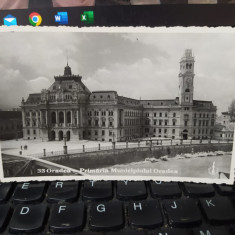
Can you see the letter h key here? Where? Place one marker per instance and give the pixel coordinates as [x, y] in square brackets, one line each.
[145, 214]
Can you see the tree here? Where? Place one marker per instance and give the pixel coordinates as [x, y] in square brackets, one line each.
[231, 110]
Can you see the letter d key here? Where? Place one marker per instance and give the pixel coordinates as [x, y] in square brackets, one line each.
[28, 219]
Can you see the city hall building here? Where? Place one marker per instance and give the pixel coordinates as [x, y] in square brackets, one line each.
[69, 109]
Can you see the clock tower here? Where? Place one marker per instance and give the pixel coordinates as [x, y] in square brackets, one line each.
[186, 77]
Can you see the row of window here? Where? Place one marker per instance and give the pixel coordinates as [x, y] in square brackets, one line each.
[165, 122]
[203, 122]
[186, 116]
[101, 96]
[131, 132]
[165, 131]
[97, 113]
[34, 132]
[204, 115]
[96, 123]
[188, 66]
[203, 131]
[160, 136]
[160, 122]
[132, 122]
[132, 114]
[228, 135]
[102, 132]
[160, 114]
[34, 122]
[68, 87]
[66, 97]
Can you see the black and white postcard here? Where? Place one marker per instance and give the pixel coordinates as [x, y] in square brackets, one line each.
[149, 104]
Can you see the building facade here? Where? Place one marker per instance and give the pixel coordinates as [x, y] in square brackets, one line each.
[10, 125]
[68, 109]
[224, 128]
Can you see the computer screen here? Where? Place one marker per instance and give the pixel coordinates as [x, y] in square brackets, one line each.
[85, 13]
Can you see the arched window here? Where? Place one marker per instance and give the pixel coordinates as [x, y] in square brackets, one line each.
[186, 66]
[187, 90]
[61, 117]
[190, 66]
[69, 117]
[53, 117]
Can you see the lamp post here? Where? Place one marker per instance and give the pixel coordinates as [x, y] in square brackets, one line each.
[65, 146]
[113, 139]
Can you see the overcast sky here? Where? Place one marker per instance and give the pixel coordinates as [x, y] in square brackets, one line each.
[135, 65]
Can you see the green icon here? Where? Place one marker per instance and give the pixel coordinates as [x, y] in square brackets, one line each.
[87, 17]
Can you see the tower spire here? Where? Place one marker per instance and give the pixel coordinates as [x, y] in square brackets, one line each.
[67, 57]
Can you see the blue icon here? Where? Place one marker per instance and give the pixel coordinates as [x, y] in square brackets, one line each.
[61, 18]
[10, 20]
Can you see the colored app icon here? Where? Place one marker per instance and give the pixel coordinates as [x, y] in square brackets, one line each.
[87, 17]
[61, 18]
[35, 19]
[10, 20]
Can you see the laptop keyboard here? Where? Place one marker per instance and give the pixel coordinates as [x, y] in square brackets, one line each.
[109, 208]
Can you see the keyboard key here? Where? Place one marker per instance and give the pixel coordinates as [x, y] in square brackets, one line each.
[106, 216]
[28, 218]
[218, 210]
[232, 229]
[128, 233]
[67, 218]
[4, 213]
[182, 212]
[226, 190]
[89, 233]
[145, 214]
[97, 190]
[211, 231]
[63, 191]
[127, 190]
[81, 233]
[28, 193]
[160, 189]
[173, 231]
[199, 190]
[4, 191]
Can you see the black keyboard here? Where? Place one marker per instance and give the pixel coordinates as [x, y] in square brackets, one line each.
[123, 207]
